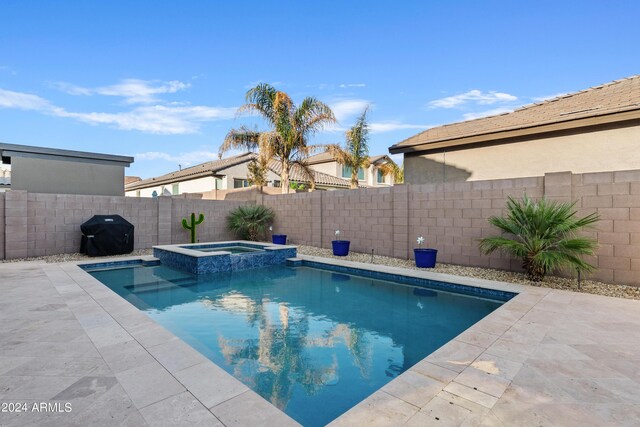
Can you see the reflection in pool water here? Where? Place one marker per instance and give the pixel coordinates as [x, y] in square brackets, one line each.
[312, 342]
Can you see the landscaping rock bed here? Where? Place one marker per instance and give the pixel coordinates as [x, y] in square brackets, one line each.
[588, 286]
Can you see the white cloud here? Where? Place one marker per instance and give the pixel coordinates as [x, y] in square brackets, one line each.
[135, 91]
[346, 85]
[184, 159]
[547, 97]
[157, 119]
[473, 96]
[22, 101]
[493, 112]
[346, 108]
[379, 127]
[170, 119]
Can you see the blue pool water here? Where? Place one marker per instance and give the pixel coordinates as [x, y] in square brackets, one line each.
[232, 249]
[312, 342]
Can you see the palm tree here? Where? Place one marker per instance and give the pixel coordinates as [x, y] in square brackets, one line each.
[543, 235]
[250, 222]
[291, 126]
[355, 154]
[397, 172]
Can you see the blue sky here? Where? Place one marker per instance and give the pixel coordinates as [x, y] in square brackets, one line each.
[161, 80]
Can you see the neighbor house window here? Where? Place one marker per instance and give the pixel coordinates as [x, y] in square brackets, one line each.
[380, 177]
[175, 189]
[240, 183]
[346, 173]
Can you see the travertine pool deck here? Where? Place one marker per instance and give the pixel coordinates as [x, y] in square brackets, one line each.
[546, 357]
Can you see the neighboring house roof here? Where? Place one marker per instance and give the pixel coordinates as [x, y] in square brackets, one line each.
[320, 158]
[327, 157]
[204, 169]
[297, 174]
[14, 150]
[216, 167]
[130, 179]
[611, 102]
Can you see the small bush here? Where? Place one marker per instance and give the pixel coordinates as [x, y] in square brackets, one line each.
[250, 222]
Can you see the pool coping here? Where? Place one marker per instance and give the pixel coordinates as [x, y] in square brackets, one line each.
[183, 248]
[436, 371]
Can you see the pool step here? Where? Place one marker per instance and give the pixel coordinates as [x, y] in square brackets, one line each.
[159, 285]
[150, 262]
[294, 262]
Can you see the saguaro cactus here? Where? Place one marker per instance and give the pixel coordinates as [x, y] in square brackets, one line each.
[192, 227]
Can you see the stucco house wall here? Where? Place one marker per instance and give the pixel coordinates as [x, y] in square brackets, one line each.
[50, 170]
[59, 176]
[370, 174]
[201, 185]
[596, 150]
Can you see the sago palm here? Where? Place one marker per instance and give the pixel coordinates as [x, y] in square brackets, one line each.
[544, 235]
[250, 222]
[291, 126]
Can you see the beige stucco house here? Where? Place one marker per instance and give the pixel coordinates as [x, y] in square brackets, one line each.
[50, 170]
[594, 130]
[372, 176]
[215, 178]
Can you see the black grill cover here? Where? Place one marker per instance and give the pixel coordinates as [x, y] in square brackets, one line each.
[106, 235]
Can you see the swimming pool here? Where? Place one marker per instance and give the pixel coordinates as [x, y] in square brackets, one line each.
[313, 342]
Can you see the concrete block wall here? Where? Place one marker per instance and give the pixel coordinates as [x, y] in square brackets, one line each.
[214, 227]
[53, 220]
[298, 215]
[615, 196]
[452, 217]
[365, 217]
[2, 244]
[36, 224]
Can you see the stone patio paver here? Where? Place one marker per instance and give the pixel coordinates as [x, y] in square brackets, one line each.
[547, 357]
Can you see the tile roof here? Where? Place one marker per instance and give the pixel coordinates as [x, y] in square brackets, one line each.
[216, 166]
[327, 157]
[320, 158]
[130, 179]
[614, 97]
[203, 169]
[297, 174]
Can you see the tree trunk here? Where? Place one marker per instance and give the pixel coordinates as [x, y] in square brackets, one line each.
[354, 179]
[535, 273]
[284, 178]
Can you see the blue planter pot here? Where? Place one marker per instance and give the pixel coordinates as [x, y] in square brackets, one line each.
[340, 247]
[279, 239]
[425, 258]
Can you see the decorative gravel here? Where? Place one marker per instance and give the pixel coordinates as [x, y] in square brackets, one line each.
[587, 286]
[75, 257]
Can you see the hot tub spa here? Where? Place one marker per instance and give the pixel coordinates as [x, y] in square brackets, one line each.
[217, 257]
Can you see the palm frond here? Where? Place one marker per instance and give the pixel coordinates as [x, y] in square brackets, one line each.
[242, 138]
[340, 155]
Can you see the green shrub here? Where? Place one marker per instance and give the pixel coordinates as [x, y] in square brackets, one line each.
[250, 222]
[543, 234]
